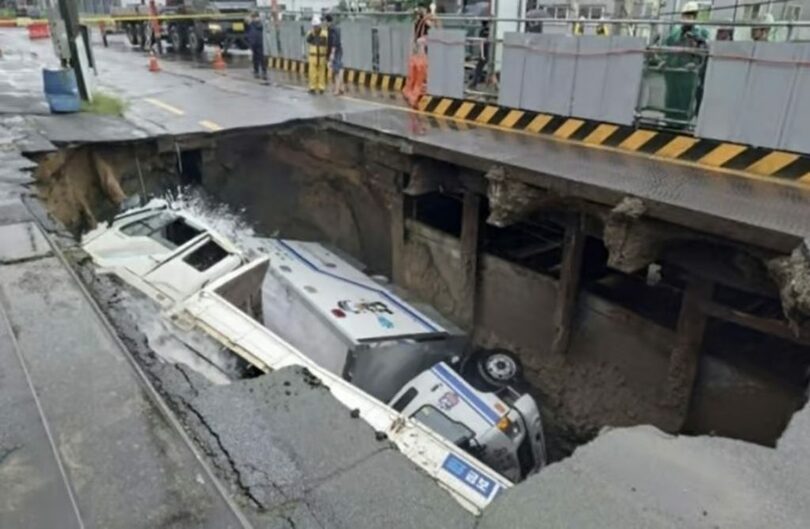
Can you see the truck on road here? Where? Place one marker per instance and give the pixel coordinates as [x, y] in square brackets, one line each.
[191, 24]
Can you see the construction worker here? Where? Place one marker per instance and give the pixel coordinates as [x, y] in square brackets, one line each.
[684, 70]
[335, 51]
[318, 41]
[762, 33]
[255, 38]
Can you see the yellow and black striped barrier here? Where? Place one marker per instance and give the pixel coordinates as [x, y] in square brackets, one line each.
[377, 81]
[659, 144]
[667, 146]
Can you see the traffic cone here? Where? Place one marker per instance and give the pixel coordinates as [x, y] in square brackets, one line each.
[153, 63]
[219, 63]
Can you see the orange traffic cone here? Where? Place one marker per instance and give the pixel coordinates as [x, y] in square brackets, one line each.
[153, 63]
[218, 63]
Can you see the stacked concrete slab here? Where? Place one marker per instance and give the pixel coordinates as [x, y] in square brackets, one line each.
[590, 77]
[756, 93]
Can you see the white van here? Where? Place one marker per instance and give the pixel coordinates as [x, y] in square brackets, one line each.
[357, 328]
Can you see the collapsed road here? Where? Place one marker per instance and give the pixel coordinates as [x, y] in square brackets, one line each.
[487, 235]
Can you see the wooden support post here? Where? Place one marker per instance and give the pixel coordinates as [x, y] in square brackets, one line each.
[470, 221]
[568, 285]
[398, 238]
[685, 355]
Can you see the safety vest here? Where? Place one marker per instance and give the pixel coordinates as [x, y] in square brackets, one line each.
[317, 45]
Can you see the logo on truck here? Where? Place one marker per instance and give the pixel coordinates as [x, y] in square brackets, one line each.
[363, 307]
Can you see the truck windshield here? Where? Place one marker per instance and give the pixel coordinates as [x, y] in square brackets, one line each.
[169, 230]
[440, 423]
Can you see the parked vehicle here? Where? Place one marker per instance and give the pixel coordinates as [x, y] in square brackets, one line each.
[188, 33]
[359, 329]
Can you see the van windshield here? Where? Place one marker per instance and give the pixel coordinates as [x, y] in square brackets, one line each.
[169, 230]
[440, 423]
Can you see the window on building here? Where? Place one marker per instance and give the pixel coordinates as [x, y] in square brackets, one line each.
[558, 11]
[791, 12]
[752, 11]
[591, 12]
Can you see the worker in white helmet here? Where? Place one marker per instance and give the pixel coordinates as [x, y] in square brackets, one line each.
[684, 70]
[317, 40]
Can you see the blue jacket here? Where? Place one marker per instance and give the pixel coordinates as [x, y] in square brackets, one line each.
[255, 36]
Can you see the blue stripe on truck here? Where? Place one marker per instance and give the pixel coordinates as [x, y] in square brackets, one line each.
[383, 293]
[458, 385]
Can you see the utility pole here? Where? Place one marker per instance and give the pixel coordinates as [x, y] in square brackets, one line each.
[70, 17]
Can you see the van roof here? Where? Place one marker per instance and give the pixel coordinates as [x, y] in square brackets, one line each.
[363, 310]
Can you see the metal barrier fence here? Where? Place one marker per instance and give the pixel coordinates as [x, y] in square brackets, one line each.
[624, 71]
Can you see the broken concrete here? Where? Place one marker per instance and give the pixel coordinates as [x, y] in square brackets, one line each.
[792, 275]
[641, 477]
[631, 244]
[510, 200]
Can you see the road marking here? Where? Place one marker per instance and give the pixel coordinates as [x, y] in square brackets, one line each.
[164, 106]
[210, 125]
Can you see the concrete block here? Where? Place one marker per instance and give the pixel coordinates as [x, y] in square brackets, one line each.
[386, 491]
[22, 241]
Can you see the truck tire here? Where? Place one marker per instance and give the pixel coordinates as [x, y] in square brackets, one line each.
[498, 367]
[196, 41]
[132, 34]
[142, 32]
[177, 36]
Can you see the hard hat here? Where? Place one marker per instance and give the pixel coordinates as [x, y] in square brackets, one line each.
[316, 20]
[690, 7]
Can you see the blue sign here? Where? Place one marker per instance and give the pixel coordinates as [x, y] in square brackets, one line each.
[475, 479]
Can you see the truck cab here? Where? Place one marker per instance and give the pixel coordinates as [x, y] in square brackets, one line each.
[423, 366]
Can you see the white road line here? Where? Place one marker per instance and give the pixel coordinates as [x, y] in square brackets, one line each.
[164, 106]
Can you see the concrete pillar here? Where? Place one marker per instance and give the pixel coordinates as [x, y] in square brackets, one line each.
[470, 223]
[568, 285]
[685, 355]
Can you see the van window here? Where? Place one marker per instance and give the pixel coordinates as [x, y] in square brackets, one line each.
[433, 418]
[206, 256]
[405, 399]
[169, 230]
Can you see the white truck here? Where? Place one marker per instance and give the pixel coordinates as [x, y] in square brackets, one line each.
[437, 419]
[359, 329]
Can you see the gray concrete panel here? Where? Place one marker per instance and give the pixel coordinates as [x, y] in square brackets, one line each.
[357, 44]
[387, 491]
[32, 492]
[724, 90]
[512, 67]
[622, 80]
[796, 132]
[446, 63]
[22, 241]
[563, 72]
[538, 71]
[395, 43]
[767, 94]
[127, 465]
[591, 68]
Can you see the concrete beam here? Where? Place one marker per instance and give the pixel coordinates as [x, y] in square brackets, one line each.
[568, 285]
[398, 238]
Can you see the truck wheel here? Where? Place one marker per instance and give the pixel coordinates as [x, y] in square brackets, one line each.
[132, 34]
[498, 367]
[196, 42]
[142, 35]
[177, 38]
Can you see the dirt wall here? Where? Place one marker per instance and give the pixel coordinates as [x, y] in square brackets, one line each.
[617, 362]
[310, 184]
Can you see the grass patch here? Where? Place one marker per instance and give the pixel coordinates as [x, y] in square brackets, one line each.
[105, 104]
